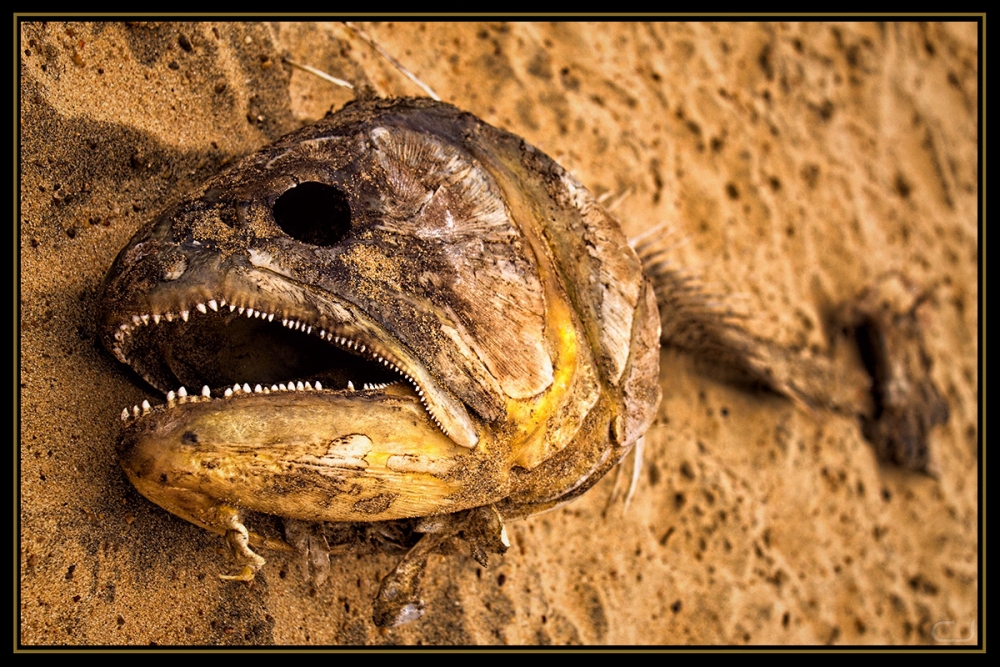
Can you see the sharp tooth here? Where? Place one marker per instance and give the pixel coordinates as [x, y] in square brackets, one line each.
[298, 325]
[171, 398]
[169, 316]
[274, 387]
[246, 388]
[350, 386]
[135, 411]
[309, 386]
[257, 389]
[222, 302]
[237, 388]
[282, 387]
[124, 414]
[118, 336]
[156, 318]
[362, 348]
[309, 329]
[367, 385]
[184, 315]
[136, 320]
[300, 386]
[145, 319]
[319, 387]
[213, 305]
[270, 318]
[124, 327]
[241, 309]
[206, 392]
[266, 390]
[145, 407]
[322, 333]
[229, 392]
[201, 308]
[182, 392]
[232, 307]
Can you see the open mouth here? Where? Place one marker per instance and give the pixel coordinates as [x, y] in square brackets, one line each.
[225, 349]
[212, 348]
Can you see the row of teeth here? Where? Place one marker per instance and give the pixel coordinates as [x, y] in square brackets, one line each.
[347, 343]
[181, 395]
[125, 329]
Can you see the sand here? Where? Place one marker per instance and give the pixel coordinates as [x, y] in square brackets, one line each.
[795, 163]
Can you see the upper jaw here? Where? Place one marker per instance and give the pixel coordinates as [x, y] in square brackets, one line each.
[165, 304]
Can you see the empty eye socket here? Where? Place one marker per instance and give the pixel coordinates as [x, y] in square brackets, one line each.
[314, 213]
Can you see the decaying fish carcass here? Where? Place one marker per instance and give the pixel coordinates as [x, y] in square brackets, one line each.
[406, 324]
[474, 329]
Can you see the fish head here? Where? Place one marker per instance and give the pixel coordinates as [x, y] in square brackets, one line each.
[402, 244]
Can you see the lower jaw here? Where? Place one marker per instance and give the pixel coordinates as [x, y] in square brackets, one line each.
[337, 456]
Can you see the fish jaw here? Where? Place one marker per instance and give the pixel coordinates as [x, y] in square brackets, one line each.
[166, 299]
[308, 455]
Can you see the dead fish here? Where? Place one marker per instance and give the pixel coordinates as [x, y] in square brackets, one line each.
[408, 325]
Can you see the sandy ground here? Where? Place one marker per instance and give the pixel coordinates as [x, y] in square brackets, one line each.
[795, 162]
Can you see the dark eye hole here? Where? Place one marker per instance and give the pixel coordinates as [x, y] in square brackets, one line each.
[313, 213]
